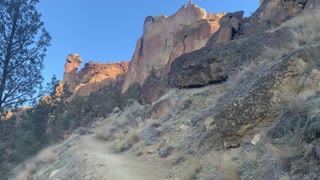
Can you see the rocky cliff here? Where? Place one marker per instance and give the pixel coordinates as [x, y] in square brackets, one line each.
[270, 14]
[254, 99]
[165, 38]
[92, 77]
[245, 106]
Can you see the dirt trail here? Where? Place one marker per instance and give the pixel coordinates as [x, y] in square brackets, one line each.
[116, 166]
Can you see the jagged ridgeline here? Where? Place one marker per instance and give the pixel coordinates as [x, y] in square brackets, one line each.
[205, 96]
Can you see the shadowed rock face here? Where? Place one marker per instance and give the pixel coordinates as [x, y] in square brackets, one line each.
[165, 38]
[257, 98]
[215, 64]
[272, 13]
[92, 77]
[229, 27]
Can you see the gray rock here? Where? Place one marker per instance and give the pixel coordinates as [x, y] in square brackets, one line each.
[235, 22]
[165, 151]
[116, 110]
[257, 98]
[216, 63]
[82, 131]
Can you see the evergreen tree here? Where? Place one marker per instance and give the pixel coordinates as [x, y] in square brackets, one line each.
[23, 44]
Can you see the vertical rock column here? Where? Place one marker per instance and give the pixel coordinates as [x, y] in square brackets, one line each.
[71, 67]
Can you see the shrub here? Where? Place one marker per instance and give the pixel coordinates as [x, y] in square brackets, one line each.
[298, 129]
[193, 170]
[150, 134]
[312, 128]
[103, 133]
[132, 92]
[131, 139]
[45, 156]
[220, 166]
[298, 123]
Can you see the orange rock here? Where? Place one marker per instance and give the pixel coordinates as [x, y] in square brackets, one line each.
[92, 77]
[165, 38]
[95, 76]
[71, 67]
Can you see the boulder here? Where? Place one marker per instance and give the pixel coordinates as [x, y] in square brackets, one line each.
[217, 63]
[229, 27]
[224, 34]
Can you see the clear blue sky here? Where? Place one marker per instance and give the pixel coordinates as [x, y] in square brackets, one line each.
[106, 31]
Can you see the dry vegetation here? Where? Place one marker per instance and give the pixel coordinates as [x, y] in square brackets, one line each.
[193, 170]
[46, 156]
[122, 128]
[305, 28]
[293, 140]
[226, 168]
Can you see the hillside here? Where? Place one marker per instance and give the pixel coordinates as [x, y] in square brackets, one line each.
[210, 97]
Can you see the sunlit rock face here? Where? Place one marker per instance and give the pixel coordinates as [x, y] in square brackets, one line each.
[92, 77]
[165, 38]
[73, 62]
[95, 76]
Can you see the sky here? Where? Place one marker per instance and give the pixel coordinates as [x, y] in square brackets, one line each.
[107, 30]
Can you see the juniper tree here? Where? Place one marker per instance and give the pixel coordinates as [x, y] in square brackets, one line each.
[23, 44]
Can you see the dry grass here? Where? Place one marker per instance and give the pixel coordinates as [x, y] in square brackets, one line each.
[24, 175]
[150, 133]
[176, 159]
[117, 126]
[272, 53]
[193, 170]
[103, 133]
[278, 152]
[304, 27]
[242, 74]
[130, 140]
[226, 168]
[290, 99]
[45, 156]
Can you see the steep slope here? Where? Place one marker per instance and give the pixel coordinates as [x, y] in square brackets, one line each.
[97, 162]
[245, 108]
[270, 14]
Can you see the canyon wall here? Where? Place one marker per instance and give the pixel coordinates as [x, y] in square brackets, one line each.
[165, 38]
